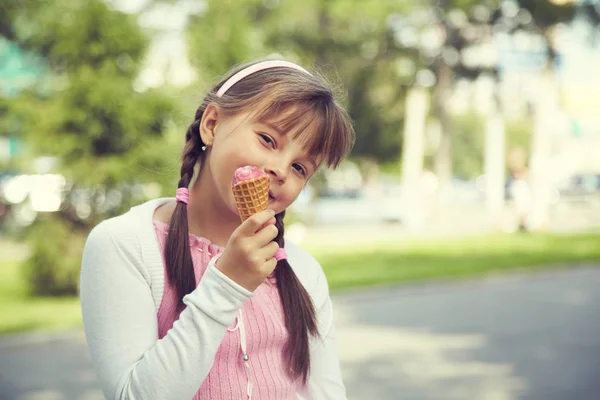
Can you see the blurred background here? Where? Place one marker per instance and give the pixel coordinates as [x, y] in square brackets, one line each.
[476, 162]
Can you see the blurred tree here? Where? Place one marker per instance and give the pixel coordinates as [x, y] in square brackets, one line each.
[108, 138]
[462, 23]
[441, 31]
[225, 33]
[546, 14]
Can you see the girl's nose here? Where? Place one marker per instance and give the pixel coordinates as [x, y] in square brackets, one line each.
[277, 171]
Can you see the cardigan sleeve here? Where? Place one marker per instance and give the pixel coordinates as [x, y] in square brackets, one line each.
[120, 322]
[325, 381]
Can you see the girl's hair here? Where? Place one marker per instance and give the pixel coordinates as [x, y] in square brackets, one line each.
[289, 99]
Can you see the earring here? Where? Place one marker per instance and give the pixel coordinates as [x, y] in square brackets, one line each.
[203, 148]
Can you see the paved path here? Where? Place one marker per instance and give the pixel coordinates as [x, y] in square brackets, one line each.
[518, 337]
[530, 337]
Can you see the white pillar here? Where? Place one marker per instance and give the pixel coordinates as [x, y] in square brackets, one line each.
[494, 165]
[417, 107]
[546, 123]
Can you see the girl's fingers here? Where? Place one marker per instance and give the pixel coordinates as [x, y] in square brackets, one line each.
[268, 251]
[270, 264]
[265, 235]
[253, 224]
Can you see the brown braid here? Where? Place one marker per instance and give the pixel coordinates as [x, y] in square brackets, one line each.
[180, 268]
[299, 312]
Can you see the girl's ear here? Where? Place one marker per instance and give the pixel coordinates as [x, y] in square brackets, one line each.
[208, 124]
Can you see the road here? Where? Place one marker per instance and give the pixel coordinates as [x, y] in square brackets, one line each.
[530, 337]
[518, 337]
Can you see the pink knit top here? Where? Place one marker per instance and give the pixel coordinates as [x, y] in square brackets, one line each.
[262, 330]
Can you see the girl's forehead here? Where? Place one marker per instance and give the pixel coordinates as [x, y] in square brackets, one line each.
[305, 131]
[302, 123]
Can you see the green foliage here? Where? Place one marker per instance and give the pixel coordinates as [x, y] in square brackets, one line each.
[53, 267]
[377, 126]
[109, 138]
[226, 34]
[468, 145]
[519, 134]
[469, 142]
[102, 130]
[393, 168]
[21, 312]
[72, 34]
[546, 13]
[99, 127]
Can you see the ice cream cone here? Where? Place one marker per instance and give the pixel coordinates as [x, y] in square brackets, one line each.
[251, 196]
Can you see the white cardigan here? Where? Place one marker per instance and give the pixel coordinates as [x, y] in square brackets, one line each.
[122, 281]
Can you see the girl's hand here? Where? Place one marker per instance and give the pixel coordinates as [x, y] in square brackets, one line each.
[248, 257]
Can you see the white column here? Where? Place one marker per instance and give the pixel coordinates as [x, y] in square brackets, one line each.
[417, 107]
[546, 124]
[494, 165]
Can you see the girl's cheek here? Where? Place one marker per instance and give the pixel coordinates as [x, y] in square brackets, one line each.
[284, 199]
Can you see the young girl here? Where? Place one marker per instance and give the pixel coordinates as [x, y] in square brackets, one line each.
[180, 299]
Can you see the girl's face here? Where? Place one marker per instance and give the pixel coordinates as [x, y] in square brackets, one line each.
[237, 141]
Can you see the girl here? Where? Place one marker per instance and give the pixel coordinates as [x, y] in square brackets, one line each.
[180, 299]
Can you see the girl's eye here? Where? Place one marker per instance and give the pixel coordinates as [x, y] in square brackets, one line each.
[300, 169]
[267, 139]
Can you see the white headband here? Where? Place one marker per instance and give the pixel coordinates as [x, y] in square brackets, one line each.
[255, 68]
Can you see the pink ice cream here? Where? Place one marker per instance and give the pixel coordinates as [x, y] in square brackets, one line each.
[246, 173]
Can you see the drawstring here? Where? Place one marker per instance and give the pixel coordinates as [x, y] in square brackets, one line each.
[240, 325]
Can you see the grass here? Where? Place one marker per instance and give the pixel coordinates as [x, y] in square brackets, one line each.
[22, 312]
[393, 262]
[364, 265]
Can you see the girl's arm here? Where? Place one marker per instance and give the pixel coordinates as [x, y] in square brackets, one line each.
[120, 322]
[325, 381]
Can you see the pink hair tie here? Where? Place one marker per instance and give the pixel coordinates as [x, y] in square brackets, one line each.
[183, 195]
[281, 255]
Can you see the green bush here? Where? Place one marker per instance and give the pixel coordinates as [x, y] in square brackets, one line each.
[54, 264]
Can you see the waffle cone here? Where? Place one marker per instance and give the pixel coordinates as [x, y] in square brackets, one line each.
[251, 196]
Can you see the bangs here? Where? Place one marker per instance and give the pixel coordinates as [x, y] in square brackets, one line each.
[320, 127]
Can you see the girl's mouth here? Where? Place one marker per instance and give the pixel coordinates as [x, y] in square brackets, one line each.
[271, 197]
